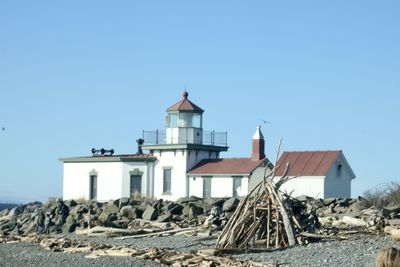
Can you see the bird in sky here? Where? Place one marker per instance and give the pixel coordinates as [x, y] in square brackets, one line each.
[3, 128]
[264, 121]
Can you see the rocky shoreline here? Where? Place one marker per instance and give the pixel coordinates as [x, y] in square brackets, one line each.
[347, 231]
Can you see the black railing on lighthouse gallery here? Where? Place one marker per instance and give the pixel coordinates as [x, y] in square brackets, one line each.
[159, 137]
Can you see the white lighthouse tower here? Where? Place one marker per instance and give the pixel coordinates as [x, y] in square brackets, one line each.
[181, 146]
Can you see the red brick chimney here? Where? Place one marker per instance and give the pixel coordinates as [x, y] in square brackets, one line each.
[258, 145]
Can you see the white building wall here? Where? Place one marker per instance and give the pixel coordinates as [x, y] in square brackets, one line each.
[312, 186]
[338, 186]
[180, 161]
[220, 186]
[126, 178]
[76, 182]
[177, 162]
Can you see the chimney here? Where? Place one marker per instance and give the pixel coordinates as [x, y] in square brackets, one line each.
[258, 145]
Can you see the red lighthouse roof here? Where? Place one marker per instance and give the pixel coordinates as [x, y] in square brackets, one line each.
[185, 105]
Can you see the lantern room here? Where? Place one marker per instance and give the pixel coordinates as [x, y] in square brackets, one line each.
[184, 122]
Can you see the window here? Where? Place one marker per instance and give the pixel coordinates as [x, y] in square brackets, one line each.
[237, 183]
[339, 170]
[93, 187]
[189, 119]
[173, 121]
[206, 187]
[167, 181]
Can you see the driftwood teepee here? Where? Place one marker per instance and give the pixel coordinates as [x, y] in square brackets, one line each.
[264, 215]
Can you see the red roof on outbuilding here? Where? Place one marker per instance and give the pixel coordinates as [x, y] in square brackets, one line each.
[307, 163]
[226, 166]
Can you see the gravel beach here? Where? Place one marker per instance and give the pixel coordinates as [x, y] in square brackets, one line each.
[361, 250]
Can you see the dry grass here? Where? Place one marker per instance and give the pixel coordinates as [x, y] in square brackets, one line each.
[387, 195]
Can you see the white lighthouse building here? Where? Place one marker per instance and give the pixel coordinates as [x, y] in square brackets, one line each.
[182, 160]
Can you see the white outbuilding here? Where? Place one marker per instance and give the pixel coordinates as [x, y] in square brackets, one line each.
[318, 174]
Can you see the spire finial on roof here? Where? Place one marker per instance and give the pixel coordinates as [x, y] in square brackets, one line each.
[185, 94]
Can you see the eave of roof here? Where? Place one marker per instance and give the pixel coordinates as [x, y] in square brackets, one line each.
[113, 158]
[185, 105]
[227, 166]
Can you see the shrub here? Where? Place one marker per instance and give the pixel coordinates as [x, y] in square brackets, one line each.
[387, 195]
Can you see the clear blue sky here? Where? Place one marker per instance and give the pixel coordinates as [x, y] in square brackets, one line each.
[81, 74]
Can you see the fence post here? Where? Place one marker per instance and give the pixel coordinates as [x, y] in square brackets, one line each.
[157, 137]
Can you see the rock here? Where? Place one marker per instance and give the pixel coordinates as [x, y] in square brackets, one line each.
[391, 212]
[150, 214]
[304, 198]
[77, 211]
[113, 202]
[128, 212]
[344, 202]
[196, 210]
[108, 210]
[70, 203]
[70, 225]
[231, 204]
[356, 208]
[173, 208]
[123, 201]
[328, 201]
[184, 200]
[166, 217]
[120, 223]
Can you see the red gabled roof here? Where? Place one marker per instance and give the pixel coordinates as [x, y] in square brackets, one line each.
[185, 105]
[226, 166]
[307, 163]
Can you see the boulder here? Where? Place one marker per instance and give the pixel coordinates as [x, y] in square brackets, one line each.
[121, 223]
[123, 201]
[78, 210]
[166, 217]
[108, 210]
[150, 214]
[70, 225]
[231, 204]
[128, 212]
[186, 200]
[329, 201]
[196, 209]
[114, 202]
[173, 208]
[70, 203]
[304, 198]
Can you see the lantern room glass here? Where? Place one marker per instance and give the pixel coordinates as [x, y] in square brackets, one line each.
[189, 120]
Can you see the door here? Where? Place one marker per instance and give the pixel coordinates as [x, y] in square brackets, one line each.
[93, 187]
[136, 185]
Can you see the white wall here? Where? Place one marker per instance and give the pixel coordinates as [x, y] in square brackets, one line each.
[126, 178]
[76, 180]
[177, 162]
[180, 162]
[220, 186]
[312, 186]
[338, 186]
